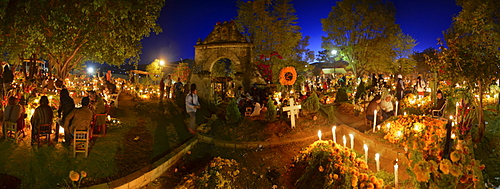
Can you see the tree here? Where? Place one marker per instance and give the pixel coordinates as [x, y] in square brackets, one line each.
[422, 58]
[366, 34]
[69, 32]
[472, 54]
[272, 28]
[155, 69]
[181, 71]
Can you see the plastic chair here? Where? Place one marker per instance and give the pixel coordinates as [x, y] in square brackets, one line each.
[81, 142]
[439, 113]
[10, 130]
[44, 130]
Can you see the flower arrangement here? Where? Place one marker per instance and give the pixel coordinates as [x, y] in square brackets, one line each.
[329, 165]
[220, 173]
[288, 75]
[424, 141]
[418, 106]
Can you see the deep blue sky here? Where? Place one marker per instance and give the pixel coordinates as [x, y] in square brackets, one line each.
[184, 21]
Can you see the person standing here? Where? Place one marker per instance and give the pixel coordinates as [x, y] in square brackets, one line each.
[420, 87]
[192, 104]
[108, 75]
[400, 87]
[168, 85]
[178, 88]
[162, 88]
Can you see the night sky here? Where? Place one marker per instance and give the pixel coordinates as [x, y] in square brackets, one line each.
[184, 21]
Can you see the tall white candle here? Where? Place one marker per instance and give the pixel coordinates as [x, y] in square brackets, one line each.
[334, 134]
[396, 175]
[352, 140]
[319, 134]
[344, 140]
[374, 119]
[377, 161]
[396, 114]
[366, 153]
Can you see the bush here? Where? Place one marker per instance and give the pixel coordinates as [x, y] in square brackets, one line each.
[311, 103]
[361, 90]
[341, 95]
[271, 111]
[233, 115]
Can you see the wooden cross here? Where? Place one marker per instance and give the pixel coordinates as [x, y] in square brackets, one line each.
[293, 111]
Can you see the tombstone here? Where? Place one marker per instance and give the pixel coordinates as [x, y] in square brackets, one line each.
[293, 110]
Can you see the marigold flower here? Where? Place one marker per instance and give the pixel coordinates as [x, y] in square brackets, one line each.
[74, 176]
[444, 166]
[455, 156]
[354, 181]
[83, 173]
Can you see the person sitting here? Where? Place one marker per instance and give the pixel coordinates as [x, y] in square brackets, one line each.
[43, 115]
[256, 109]
[79, 119]
[372, 106]
[439, 103]
[66, 105]
[12, 113]
[387, 107]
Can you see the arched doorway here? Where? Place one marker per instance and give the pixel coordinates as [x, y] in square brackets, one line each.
[222, 74]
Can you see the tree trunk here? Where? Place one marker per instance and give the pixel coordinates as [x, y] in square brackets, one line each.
[480, 113]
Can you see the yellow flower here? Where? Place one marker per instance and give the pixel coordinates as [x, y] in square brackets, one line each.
[354, 181]
[74, 176]
[454, 156]
[320, 168]
[444, 166]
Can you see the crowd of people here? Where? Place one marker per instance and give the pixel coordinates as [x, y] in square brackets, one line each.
[68, 113]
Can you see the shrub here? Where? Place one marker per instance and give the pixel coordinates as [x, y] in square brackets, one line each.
[233, 115]
[271, 111]
[360, 91]
[341, 95]
[311, 103]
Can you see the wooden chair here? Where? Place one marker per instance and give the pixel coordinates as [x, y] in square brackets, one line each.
[11, 131]
[81, 142]
[101, 129]
[44, 130]
[439, 113]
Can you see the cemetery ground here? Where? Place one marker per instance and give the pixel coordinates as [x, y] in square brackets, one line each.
[150, 130]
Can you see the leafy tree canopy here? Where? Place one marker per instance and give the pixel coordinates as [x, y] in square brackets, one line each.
[272, 28]
[69, 32]
[366, 34]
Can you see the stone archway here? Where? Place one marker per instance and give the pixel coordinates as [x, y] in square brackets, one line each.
[224, 42]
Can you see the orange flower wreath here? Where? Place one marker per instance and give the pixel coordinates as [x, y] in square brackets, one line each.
[288, 76]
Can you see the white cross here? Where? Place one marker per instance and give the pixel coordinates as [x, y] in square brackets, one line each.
[293, 111]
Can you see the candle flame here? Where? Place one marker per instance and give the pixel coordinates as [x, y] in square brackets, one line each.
[453, 136]
[365, 147]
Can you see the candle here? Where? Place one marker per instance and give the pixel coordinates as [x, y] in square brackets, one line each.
[352, 140]
[396, 175]
[453, 136]
[374, 119]
[456, 109]
[334, 134]
[378, 127]
[396, 108]
[319, 134]
[377, 161]
[366, 153]
[344, 140]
